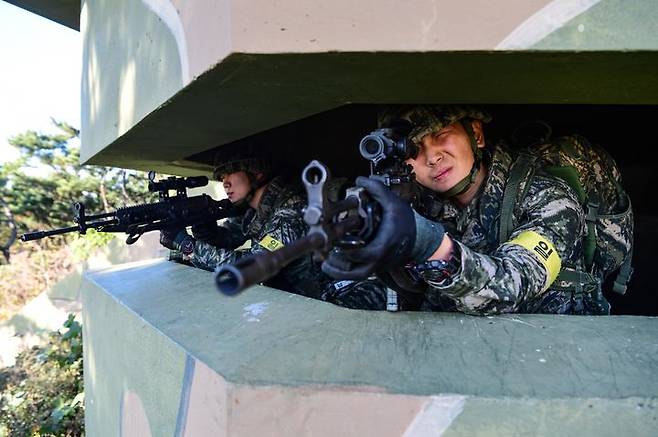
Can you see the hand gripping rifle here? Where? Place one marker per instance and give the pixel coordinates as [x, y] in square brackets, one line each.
[349, 223]
[177, 211]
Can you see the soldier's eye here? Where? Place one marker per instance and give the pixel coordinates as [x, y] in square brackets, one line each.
[439, 135]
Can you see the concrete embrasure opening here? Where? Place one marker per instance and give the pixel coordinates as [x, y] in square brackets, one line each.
[623, 130]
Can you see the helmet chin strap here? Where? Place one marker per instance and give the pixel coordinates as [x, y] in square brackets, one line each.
[469, 180]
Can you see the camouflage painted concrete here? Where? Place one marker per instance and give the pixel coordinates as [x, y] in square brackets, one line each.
[165, 352]
[255, 66]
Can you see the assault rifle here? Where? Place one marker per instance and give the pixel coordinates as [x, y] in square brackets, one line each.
[349, 223]
[176, 211]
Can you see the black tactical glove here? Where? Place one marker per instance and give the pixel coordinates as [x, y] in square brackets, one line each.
[177, 239]
[402, 236]
[206, 231]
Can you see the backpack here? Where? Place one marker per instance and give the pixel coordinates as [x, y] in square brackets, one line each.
[595, 178]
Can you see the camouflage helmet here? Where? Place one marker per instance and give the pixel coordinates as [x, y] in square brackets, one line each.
[428, 119]
[229, 160]
[424, 120]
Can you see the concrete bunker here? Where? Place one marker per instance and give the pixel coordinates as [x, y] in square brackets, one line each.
[333, 137]
[163, 85]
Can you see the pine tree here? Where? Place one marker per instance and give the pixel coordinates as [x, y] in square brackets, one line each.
[42, 185]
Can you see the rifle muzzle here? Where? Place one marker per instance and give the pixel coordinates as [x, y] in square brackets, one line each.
[229, 280]
[37, 235]
[233, 278]
[31, 236]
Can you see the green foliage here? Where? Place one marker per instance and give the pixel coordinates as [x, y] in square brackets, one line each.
[84, 245]
[38, 191]
[42, 394]
[42, 185]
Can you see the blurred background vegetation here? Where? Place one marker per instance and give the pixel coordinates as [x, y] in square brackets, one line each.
[42, 393]
[37, 191]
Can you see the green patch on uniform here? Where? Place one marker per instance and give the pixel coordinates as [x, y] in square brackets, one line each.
[270, 243]
[543, 250]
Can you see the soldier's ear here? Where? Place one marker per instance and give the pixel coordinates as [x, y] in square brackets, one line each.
[478, 132]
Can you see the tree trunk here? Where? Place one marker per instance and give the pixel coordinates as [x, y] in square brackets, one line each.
[124, 193]
[106, 206]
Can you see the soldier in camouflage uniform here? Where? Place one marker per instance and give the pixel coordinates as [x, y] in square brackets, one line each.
[457, 251]
[272, 218]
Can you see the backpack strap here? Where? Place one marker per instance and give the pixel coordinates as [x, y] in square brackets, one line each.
[521, 170]
[589, 203]
[624, 275]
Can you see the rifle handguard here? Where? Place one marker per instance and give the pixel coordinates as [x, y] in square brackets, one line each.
[231, 279]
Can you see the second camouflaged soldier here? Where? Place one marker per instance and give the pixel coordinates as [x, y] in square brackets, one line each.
[272, 218]
[538, 268]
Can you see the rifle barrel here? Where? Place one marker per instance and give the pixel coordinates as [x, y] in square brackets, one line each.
[30, 236]
[231, 279]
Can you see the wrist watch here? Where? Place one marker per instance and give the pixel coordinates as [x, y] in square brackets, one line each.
[438, 270]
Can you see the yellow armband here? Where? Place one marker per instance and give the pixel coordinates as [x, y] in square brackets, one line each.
[270, 243]
[543, 250]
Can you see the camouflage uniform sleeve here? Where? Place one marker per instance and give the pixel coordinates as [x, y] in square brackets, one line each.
[229, 233]
[209, 257]
[368, 294]
[285, 226]
[513, 275]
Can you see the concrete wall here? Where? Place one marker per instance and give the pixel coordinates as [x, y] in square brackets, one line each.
[166, 79]
[165, 354]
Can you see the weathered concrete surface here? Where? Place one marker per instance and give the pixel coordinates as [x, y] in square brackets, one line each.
[607, 25]
[188, 76]
[162, 343]
[267, 93]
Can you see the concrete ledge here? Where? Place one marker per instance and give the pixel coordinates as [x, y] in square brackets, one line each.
[247, 94]
[165, 354]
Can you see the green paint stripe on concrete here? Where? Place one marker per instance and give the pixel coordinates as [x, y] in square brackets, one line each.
[296, 341]
[560, 417]
[609, 25]
[247, 94]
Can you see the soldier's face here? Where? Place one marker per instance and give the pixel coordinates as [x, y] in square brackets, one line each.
[445, 157]
[236, 185]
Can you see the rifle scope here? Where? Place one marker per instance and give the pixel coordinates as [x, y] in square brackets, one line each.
[174, 183]
[386, 143]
